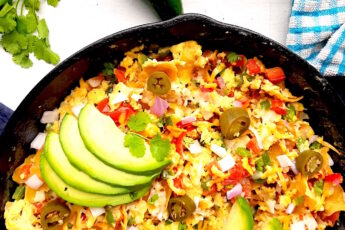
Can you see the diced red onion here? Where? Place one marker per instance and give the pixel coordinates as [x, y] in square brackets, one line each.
[238, 104]
[284, 161]
[159, 107]
[38, 142]
[220, 151]
[330, 161]
[50, 116]
[258, 138]
[187, 120]
[97, 212]
[77, 108]
[195, 147]
[312, 139]
[220, 82]
[290, 208]
[120, 97]
[226, 163]
[234, 192]
[34, 182]
[95, 81]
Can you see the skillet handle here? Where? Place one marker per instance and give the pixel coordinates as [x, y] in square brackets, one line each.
[5, 114]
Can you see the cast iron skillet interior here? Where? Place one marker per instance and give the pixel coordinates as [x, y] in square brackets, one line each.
[326, 110]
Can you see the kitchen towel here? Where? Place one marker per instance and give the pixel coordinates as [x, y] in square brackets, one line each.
[317, 34]
[5, 114]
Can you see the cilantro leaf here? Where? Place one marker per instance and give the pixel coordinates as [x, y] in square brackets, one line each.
[26, 24]
[153, 199]
[14, 42]
[135, 144]
[159, 148]
[290, 113]
[53, 2]
[43, 52]
[139, 121]
[7, 19]
[32, 4]
[108, 69]
[22, 59]
[42, 29]
[232, 57]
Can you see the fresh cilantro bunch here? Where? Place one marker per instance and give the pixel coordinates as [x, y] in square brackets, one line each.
[24, 33]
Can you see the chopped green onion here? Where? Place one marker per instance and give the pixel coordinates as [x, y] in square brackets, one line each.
[266, 105]
[243, 152]
[232, 57]
[315, 145]
[290, 113]
[153, 199]
[298, 200]
[318, 187]
[182, 227]
[168, 222]
[130, 221]
[109, 217]
[19, 193]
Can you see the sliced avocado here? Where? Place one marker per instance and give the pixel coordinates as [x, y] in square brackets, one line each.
[273, 224]
[84, 160]
[105, 140]
[78, 197]
[72, 176]
[240, 216]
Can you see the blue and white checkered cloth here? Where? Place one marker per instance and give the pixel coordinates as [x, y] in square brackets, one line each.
[317, 34]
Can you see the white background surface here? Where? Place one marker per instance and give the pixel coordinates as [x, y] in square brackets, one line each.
[76, 23]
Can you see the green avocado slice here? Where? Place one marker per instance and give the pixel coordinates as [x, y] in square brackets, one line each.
[240, 216]
[105, 140]
[72, 176]
[273, 224]
[84, 160]
[78, 197]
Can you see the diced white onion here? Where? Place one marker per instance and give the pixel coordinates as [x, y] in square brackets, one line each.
[238, 104]
[120, 97]
[34, 182]
[234, 192]
[220, 151]
[197, 201]
[187, 120]
[330, 161]
[257, 175]
[136, 97]
[297, 225]
[310, 222]
[258, 138]
[195, 147]
[38, 142]
[76, 109]
[271, 204]
[39, 196]
[97, 212]
[284, 161]
[226, 163]
[290, 208]
[312, 139]
[132, 227]
[50, 116]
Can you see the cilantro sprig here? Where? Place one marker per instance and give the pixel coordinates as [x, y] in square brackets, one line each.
[136, 144]
[159, 148]
[139, 121]
[24, 33]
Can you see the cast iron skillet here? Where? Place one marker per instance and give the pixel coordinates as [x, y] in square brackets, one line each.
[326, 110]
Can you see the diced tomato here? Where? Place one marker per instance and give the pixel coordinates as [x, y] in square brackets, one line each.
[178, 182]
[237, 173]
[206, 90]
[103, 106]
[241, 61]
[335, 178]
[187, 126]
[231, 94]
[120, 74]
[331, 219]
[244, 101]
[25, 170]
[275, 74]
[179, 143]
[123, 111]
[211, 191]
[253, 146]
[277, 106]
[253, 67]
